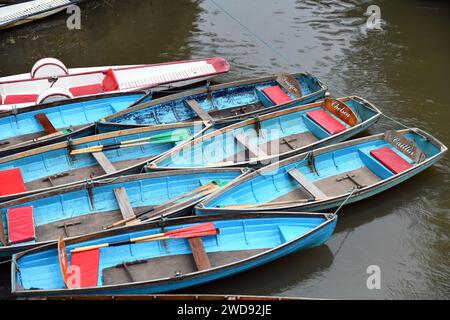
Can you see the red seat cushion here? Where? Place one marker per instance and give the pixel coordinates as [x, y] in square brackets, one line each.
[20, 98]
[20, 224]
[390, 159]
[86, 90]
[110, 81]
[326, 121]
[11, 182]
[1, 99]
[276, 95]
[87, 262]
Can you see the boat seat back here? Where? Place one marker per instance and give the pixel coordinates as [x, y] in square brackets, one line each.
[326, 121]
[390, 159]
[11, 182]
[20, 98]
[110, 82]
[83, 269]
[20, 225]
[273, 96]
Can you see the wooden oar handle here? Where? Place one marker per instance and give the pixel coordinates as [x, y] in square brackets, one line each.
[87, 248]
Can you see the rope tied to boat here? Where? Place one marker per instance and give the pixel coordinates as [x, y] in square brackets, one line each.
[345, 201]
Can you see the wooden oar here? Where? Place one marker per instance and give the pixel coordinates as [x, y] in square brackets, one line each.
[200, 230]
[209, 187]
[269, 204]
[160, 138]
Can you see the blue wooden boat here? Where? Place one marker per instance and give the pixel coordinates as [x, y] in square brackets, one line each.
[226, 102]
[99, 156]
[36, 126]
[277, 135]
[92, 206]
[324, 178]
[120, 262]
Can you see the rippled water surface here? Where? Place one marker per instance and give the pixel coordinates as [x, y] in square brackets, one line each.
[403, 69]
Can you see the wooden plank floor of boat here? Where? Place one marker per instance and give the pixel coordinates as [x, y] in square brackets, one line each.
[168, 266]
[331, 187]
[81, 174]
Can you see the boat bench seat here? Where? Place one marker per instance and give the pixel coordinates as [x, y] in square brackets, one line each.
[86, 263]
[274, 96]
[108, 84]
[20, 225]
[19, 98]
[390, 159]
[11, 182]
[326, 121]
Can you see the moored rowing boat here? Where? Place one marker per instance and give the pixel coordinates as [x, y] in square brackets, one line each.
[164, 256]
[324, 178]
[108, 203]
[274, 136]
[227, 101]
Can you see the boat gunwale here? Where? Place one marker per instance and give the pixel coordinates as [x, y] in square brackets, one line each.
[329, 218]
[153, 165]
[443, 149]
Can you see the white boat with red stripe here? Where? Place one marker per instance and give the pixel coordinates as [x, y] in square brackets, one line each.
[51, 80]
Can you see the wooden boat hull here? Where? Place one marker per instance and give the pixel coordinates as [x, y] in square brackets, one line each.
[97, 205]
[372, 183]
[267, 139]
[51, 167]
[223, 102]
[20, 130]
[320, 227]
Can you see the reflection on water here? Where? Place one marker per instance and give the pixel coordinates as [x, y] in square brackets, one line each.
[402, 69]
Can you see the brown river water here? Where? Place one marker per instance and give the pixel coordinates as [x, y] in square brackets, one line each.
[402, 68]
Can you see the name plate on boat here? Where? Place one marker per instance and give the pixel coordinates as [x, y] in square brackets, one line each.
[290, 84]
[405, 146]
[341, 110]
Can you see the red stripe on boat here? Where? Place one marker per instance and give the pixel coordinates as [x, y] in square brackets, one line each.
[20, 98]
[326, 121]
[86, 90]
[85, 265]
[21, 224]
[276, 95]
[11, 182]
[390, 159]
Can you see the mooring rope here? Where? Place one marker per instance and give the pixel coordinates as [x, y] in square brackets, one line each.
[345, 201]
[277, 52]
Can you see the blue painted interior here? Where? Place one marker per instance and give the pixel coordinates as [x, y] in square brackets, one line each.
[141, 193]
[41, 270]
[65, 115]
[272, 185]
[221, 147]
[48, 163]
[177, 110]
